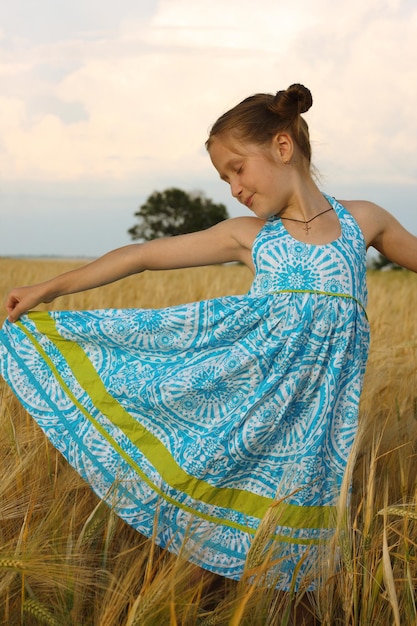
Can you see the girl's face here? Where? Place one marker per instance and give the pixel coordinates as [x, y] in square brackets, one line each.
[257, 175]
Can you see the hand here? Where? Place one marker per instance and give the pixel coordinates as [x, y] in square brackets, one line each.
[21, 299]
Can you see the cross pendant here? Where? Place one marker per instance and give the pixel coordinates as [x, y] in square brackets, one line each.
[307, 227]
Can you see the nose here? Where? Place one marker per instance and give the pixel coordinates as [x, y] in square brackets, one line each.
[236, 189]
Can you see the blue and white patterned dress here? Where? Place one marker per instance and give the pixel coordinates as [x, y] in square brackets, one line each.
[196, 422]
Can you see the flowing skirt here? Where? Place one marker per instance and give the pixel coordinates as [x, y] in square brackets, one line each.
[219, 428]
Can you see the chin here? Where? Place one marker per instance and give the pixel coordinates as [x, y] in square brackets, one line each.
[265, 214]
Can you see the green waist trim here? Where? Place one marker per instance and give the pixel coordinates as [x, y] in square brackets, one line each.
[323, 293]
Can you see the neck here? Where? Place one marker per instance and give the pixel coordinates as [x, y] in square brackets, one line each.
[305, 202]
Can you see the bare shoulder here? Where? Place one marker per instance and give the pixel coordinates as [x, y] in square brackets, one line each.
[245, 229]
[242, 231]
[364, 209]
[371, 217]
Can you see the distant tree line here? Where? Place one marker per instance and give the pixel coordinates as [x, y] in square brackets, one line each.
[381, 262]
[175, 212]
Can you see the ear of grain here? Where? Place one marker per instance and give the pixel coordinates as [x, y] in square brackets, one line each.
[63, 554]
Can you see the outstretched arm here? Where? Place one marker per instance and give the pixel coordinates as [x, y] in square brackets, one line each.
[395, 242]
[230, 240]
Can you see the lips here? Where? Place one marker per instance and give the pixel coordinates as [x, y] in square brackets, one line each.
[248, 201]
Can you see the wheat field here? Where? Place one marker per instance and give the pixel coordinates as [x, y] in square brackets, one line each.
[66, 559]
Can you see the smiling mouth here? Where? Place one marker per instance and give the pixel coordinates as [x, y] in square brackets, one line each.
[248, 201]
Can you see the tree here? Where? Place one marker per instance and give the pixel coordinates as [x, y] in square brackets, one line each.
[175, 212]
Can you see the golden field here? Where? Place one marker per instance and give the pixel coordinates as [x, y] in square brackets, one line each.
[65, 559]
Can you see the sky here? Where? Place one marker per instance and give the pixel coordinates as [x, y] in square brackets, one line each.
[103, 102]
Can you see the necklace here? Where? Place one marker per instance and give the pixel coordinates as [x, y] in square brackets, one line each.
[307, 222]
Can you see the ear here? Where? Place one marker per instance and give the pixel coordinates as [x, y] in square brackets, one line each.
[283, 145]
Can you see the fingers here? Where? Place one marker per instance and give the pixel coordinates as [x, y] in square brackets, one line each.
[18, 302]
[14, 315]
[14, 310]
[22, 299]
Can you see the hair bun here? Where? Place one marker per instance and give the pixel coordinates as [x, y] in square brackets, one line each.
[293, 101]
[302, 95]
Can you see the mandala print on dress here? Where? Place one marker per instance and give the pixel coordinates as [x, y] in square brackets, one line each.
[198, 422]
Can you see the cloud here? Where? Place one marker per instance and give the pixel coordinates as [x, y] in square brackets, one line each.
[234, 25]
[49, 21]
[130, 95]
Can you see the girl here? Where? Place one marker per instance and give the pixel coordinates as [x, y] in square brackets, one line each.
[221, 428]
